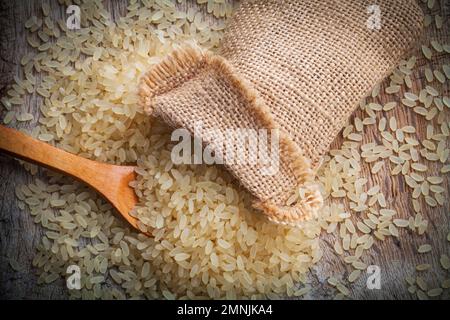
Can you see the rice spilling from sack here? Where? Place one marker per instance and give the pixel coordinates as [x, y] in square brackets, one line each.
[204, 239]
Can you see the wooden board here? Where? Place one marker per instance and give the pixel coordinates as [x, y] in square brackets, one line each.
[396, 257]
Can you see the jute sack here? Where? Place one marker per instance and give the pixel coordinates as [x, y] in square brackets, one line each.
[295, 69]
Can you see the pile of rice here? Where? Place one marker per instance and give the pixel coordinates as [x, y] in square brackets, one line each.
[206, 240]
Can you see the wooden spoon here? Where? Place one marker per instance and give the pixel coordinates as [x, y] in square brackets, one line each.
[111, 181]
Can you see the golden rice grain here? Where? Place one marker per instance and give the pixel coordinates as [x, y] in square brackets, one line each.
[435, 292]
[423, 267]
[424, 248]
[427, 52]
[354, 275]
[445, 261]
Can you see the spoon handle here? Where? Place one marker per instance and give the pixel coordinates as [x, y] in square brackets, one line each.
[27, 148]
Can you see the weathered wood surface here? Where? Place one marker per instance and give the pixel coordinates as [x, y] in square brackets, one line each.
[396, 257]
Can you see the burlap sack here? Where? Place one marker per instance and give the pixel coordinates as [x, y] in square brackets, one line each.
[300, 66]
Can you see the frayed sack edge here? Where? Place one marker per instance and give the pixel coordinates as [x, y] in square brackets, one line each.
[185, 63]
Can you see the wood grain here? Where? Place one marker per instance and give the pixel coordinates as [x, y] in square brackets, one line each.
[396, 257]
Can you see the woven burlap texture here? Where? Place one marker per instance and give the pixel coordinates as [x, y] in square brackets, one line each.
[297, 66]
